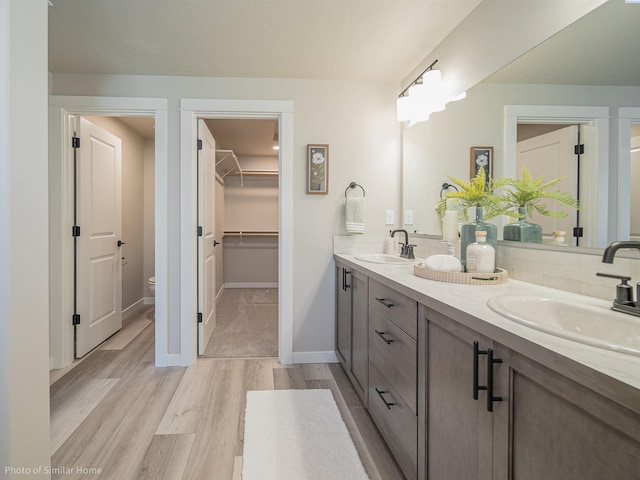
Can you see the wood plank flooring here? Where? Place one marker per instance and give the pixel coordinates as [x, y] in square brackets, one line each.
[116, 416]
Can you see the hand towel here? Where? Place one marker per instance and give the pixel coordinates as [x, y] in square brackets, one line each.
[354, 215]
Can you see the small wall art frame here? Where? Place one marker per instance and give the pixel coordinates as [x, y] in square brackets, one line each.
[481, 157]
[318, 169]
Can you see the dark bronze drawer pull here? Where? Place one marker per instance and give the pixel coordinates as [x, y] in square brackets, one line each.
[385, 302]
[386, 404]
[476, 353]
[388, 341]
[490, 397]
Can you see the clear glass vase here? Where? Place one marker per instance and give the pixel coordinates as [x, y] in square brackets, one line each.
[522, 231]
[468, 234]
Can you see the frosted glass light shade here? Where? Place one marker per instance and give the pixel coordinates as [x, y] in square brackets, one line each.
[403, 107]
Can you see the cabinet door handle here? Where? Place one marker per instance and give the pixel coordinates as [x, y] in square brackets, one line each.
[386, 404]
[385, 302]
[490, 397]
[388, 341]
[345, 272]
[476, 353]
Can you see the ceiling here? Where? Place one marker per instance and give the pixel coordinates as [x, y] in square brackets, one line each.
[360, 40]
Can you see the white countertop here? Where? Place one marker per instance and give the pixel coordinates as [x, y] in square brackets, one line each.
[615, 374]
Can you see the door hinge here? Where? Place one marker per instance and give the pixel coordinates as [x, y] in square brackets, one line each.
[578, 232]
[75, 142]
[199, 317]
[578, 149]
[199, 231]
[199, 144]
[75, 319]
[75, 231]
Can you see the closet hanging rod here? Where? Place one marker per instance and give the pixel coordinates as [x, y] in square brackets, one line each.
[256, 172]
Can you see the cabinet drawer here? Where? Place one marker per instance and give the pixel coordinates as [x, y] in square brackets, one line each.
[394, 354]
[395, 420]
[398, 308]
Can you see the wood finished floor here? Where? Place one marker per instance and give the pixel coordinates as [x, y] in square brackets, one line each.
[116, 416]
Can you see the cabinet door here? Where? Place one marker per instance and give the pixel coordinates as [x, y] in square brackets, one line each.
[359, 332]
[343, 317]
[458, 428]
[556, 429]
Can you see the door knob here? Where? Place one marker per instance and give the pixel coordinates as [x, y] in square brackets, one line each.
[120, 243]
[216, 242]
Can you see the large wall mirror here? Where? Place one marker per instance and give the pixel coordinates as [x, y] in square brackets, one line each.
[586, 79]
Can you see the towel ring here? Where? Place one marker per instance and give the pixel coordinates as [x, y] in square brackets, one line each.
[447, 186]
[354, 185]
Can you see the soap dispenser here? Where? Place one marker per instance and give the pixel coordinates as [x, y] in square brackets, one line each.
[390, 245]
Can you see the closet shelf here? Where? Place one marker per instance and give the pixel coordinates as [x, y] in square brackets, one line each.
[249, 233]
[227, 163]
[257, 172]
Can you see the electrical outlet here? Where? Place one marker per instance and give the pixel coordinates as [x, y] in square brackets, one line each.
[389, 218]
[408, 217]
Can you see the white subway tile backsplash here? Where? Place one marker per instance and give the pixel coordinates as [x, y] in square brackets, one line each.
[569, 271]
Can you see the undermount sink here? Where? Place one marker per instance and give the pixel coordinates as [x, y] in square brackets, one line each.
[594, 325]
[384, 258]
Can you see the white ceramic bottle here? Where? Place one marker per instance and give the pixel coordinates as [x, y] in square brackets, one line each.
[481, 257]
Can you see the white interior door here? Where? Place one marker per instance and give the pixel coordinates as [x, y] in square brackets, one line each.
[552, 155]
[99, 216]
[206, 241]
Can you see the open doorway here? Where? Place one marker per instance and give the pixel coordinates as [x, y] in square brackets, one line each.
[246, 214]
[144, 216]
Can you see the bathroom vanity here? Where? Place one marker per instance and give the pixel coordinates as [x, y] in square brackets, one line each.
[460, 392]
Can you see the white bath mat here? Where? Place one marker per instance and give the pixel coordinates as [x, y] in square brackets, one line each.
[297, 435]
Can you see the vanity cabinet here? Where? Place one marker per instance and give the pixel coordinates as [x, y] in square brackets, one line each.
[393, 372]
[540, 424]
[352, 326]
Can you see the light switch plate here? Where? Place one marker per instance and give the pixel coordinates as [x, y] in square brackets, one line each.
[389, 218]
[408, 217]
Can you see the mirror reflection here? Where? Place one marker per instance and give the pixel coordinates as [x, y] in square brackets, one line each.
[591, 66]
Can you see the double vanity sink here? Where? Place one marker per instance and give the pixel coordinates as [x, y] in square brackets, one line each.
[592, 324]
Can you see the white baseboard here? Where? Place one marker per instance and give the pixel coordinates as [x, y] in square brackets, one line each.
[251, 285]
[132, 308]
[315, 357]
[149, 300]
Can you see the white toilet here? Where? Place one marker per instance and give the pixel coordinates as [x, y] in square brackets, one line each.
[152, 284]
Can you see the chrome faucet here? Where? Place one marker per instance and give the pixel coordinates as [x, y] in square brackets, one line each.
[624, 293]
[407, 249]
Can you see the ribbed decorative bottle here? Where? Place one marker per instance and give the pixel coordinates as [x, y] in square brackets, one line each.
[481, 257]
[468, 234]
[522, 231]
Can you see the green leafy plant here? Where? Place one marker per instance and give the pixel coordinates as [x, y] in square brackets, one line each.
[477, 192]
[529, 193]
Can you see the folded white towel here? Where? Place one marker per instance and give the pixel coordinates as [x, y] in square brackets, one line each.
[354, 215]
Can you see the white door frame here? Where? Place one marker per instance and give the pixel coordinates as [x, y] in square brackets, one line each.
[190, 111]
[626, 117]
[61, 109]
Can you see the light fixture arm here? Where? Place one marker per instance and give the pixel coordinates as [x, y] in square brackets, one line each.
[430, 67]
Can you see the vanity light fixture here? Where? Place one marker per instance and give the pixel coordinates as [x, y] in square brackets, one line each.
[424, 96]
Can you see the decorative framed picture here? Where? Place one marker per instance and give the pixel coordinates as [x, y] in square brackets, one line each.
[318, 169]
[481, 157]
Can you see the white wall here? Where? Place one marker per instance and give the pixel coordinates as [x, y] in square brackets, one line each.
[494, 34]
[356, 119]
[24, 259]
[149, 217]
